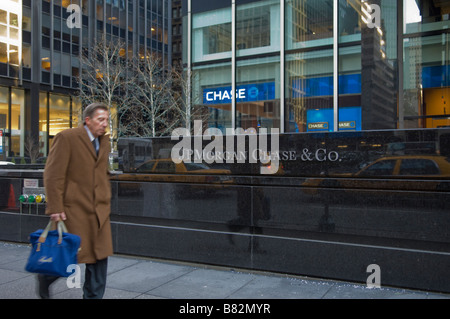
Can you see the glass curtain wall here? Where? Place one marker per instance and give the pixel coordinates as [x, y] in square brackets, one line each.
[368, 74]
[211, 82]
[309, 65]
[387, 78]
[367, 66]
[258, 78]
[426, 80]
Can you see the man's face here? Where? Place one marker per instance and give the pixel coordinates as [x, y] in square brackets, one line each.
[98, 123]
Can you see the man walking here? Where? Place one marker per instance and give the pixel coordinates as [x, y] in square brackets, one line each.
[78, 191]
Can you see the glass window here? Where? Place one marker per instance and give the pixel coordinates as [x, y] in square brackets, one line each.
[13, 33]
[13, 54]
[418, 167]
[146, 167]
[308, 66]
[211, 35]
[309, 91]
[56, 62]
[381, 168]
[17, 121]
[426, 79]
[76, 112]
[45, 60]
[59, 114]
[308, 23]
[368, 63]
[258, 27]
[257, 32]
[425, 15]
[3, 31]
[426, 82]
[13, 20]
[26, 56]
[66, 67]
[211, 94]
[26, 19]
[4, 109]
[257, 97]
[4, 118]
[3, 53]
[164, 167]
[43, 124]
[3, 16]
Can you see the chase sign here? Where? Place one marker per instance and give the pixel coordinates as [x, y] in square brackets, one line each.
[244, 93]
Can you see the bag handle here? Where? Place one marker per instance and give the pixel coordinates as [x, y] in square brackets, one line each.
[61, 228]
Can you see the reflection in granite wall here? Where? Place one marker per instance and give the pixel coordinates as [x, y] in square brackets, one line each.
[383, 184]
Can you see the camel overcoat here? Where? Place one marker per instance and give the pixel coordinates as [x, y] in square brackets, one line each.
[77, 182]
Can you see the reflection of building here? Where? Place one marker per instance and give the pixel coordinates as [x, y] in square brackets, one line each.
[39, 59]
[392, 71]
[177, 33]
[378, 77]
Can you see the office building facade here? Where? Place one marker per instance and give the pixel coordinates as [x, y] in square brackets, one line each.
[41, 42]
[315, 66]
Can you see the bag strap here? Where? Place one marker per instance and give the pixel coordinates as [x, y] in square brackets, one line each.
[61, 229]
[63, 226]
[44, 234]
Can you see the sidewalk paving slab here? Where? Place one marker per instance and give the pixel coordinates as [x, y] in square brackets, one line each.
[131, 277]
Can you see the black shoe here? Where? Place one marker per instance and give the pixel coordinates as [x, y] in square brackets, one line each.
[44, 282]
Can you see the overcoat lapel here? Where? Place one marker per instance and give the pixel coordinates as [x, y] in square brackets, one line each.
[86, 141]
[102, 149]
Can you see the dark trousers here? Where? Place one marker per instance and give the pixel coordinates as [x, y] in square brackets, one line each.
[94, 281]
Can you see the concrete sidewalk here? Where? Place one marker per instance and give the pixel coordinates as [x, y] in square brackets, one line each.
[143, 278]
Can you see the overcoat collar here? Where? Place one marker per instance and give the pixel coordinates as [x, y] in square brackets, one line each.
[84, 136]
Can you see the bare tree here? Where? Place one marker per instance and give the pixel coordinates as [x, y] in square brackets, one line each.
[105, 77]
[151, 111]
[187, 107]
[150, 98]
[32, 147]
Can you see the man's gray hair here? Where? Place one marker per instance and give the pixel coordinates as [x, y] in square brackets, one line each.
[91, 108]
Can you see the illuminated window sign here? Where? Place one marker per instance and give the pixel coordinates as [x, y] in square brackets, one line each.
[244, 93]
[435, 76]
[322, 120]
[323, 86]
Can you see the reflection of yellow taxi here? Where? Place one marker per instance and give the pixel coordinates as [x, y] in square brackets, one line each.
[167, 166]
[389, 173]
[408, 166]
[165, 170]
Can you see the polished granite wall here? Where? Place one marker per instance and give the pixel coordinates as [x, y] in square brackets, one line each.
[314, 217]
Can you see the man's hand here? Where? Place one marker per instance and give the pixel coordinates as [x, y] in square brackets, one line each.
[58, 216]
